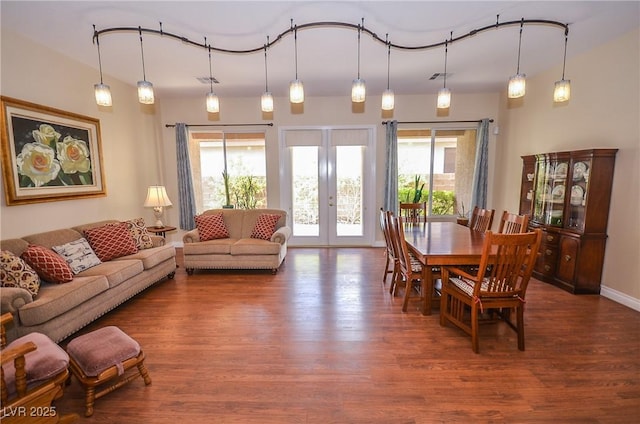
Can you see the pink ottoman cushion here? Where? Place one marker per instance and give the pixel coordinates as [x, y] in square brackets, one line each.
[102, 349]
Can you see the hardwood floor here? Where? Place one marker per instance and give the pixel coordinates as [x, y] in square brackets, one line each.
[322, 341]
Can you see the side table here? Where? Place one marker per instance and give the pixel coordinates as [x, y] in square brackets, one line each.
[161, 230]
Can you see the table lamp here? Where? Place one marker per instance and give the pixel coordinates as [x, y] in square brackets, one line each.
[157, 198]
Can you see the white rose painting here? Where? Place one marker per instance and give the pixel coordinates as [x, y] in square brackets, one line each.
[55, 155]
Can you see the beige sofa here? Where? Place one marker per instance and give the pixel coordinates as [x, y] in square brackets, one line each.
[59, 310]
[239, 250]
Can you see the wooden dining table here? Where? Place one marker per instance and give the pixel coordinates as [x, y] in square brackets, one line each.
[436, 244]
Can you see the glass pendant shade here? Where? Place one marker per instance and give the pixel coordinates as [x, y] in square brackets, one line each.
[266, 102]
[444, 98]
[517, 85]
[213, 104]
[388, 100]
[562, 91]
[296, 91]
[358, 91]
[103, 94]
[145, 92]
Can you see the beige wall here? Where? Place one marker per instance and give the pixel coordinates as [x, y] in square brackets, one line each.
[603, 112]
[129, 133]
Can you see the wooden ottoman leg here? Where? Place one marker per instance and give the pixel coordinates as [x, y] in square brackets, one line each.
[90, 399]
[144, 373]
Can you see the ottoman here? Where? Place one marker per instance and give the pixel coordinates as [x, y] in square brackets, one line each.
[101, 359]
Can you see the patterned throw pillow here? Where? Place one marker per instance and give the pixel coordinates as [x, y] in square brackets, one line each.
[14, 272]
[78, 254]
[141, 236]
[111, 241]
[48, 264]
[211, 226]
[265, 226]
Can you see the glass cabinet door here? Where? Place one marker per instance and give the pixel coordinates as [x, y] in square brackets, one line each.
[578, 193]
[551, 187]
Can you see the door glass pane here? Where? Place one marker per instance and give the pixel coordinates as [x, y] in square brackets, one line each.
[349, 190]
[304, 189]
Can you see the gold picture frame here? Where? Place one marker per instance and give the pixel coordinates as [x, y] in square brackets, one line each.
[49, 154]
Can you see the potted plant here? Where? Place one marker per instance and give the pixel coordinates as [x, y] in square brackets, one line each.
[225, 177]
[462, 219]
[417, 191]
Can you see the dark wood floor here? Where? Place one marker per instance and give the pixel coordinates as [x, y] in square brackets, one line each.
[323, 342]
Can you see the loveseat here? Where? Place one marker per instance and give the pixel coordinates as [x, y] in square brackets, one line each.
[58, 309]
[237, 239]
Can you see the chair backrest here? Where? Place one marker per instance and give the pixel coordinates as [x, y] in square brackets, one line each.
[481, 219]
[414, 212]
[400, 245]
[509, 259]
[385, 231]
[511, 223]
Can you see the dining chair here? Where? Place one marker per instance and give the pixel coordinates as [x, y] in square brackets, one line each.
[509, 259]
[414, 212]
[511, 223]
[390, 256]
[481, 219]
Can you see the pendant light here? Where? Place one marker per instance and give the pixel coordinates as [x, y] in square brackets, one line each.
[101, 90]
[444, 94]
[388, 101]
[145, 88]
[562, 89]
[296, 89]
[266, 101]
[213, 104]
[517, 83]
[358, 89]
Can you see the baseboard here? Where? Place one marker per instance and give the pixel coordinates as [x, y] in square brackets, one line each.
[621, 298]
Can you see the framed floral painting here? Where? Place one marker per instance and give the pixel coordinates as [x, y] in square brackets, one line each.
[49, 154]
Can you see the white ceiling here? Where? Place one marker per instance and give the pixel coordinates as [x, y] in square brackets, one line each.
[327, 56]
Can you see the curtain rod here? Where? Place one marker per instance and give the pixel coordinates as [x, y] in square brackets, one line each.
[270, 124]
[436, 122]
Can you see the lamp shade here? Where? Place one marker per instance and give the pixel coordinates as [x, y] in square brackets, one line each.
[213, 103]
[562, 91]
[266, 102]
[444, 98]
[517, 85]
[358, 90]
[388, 101]
[145, 92]
[296, 91]
[103, 94]
[157, 196]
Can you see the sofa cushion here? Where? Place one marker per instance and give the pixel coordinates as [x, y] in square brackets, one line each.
[116, 271]
[78, 254]
[210, 247]
[111, 241]
[152, 257]
[255, 247]
[15, 272]
[211, 226]
[141, 236]
[56, 299]
[47, 361]
[265, 226]
[48, 264]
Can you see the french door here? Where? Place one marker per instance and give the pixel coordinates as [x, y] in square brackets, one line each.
[327, 185]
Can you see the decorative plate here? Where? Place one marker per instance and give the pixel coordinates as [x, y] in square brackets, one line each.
[558, 192]
[561, 170]
[579, 168]
[577, 194]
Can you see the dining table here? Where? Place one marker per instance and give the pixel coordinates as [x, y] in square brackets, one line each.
[439, 243]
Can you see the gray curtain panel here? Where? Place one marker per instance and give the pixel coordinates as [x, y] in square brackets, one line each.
[185, 182]
[481, 169]
[391, 171]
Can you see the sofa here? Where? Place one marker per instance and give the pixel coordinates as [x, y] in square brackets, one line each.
[59, 309]
[237, 239]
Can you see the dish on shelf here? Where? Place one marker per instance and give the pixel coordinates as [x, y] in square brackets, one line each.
[561, 170]
[558, 192]
[577, 195]
[550, 171]
[579, 168]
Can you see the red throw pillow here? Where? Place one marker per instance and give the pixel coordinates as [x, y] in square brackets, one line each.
[111, 241]
[211, 226]
[265, 226]
[48, 264]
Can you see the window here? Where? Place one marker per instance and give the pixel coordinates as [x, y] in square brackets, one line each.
[441, 162]
[242, 155]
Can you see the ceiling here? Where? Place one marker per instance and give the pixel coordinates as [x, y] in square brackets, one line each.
[327, 56]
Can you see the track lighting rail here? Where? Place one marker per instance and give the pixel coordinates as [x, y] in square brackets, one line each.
[347, 25]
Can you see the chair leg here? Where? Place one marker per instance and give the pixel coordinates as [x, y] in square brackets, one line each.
[520, 318]
[90, 399]
[475, 345]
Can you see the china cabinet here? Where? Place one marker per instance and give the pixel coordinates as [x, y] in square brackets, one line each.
[567, 195]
